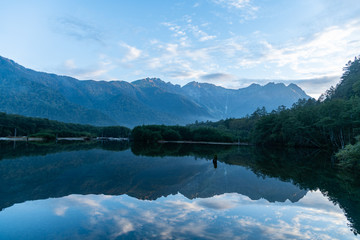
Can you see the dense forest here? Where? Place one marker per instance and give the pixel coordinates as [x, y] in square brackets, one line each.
[28, 126]
[154, 133]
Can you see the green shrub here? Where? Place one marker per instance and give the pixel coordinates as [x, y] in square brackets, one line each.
[349, 157]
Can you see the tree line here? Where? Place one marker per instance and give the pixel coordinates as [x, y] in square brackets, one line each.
[154, 133]
[41, 127]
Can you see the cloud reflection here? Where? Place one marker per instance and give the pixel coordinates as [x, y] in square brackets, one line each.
[231, 216]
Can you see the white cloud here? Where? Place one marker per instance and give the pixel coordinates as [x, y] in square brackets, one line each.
[154, 63]
[185, 74]
[172, 48]
[123, 226]
[61, 210]
[200, 34]
[131, 54]
[206, 37]
[234, 3]
[324, 54]
[246, 8]
[154, 41]
[175, 28]
[182, 31]
[248, 63]
[70, 64]
[200, 54]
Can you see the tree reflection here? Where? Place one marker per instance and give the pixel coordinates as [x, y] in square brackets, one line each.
[215, 161]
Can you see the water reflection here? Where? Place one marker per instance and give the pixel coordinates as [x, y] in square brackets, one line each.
[226, 216]
[275, 182]
[97, 171]
[215, 161]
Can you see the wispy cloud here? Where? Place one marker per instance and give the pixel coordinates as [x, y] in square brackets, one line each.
[187, 28]
[186, 74]
[234, 3]
[217, 77]
[246, 7]
[175, 28]
[79, 29]
[200, 34]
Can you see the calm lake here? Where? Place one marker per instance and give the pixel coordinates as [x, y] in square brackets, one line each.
[112, 191]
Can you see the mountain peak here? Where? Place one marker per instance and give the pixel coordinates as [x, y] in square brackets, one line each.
[294, 86]
[254, 85]
[296, 89]
[150, 82]
[271, 84]
[147, 83]
[193, 84]
[8, 63]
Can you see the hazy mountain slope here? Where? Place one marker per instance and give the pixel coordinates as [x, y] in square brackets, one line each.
[214, 98]
[32, 93]
[23, 94]
[225, 103]
[161, 95]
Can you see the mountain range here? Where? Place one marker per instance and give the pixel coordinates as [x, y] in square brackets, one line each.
[147, 101]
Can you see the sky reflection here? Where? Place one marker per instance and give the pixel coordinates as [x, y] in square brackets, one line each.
[229, 215]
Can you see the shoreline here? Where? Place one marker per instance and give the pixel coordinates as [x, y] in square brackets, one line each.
[39, 139]
[22, 139]
[208, 143]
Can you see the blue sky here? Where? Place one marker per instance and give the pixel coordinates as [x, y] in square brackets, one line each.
[231, 43]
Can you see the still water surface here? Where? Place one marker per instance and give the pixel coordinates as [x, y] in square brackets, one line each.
[109, 191]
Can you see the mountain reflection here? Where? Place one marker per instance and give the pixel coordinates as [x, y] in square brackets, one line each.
[162, 170]
[97, 171]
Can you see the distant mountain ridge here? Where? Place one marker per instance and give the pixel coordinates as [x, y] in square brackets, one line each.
[147, 101]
